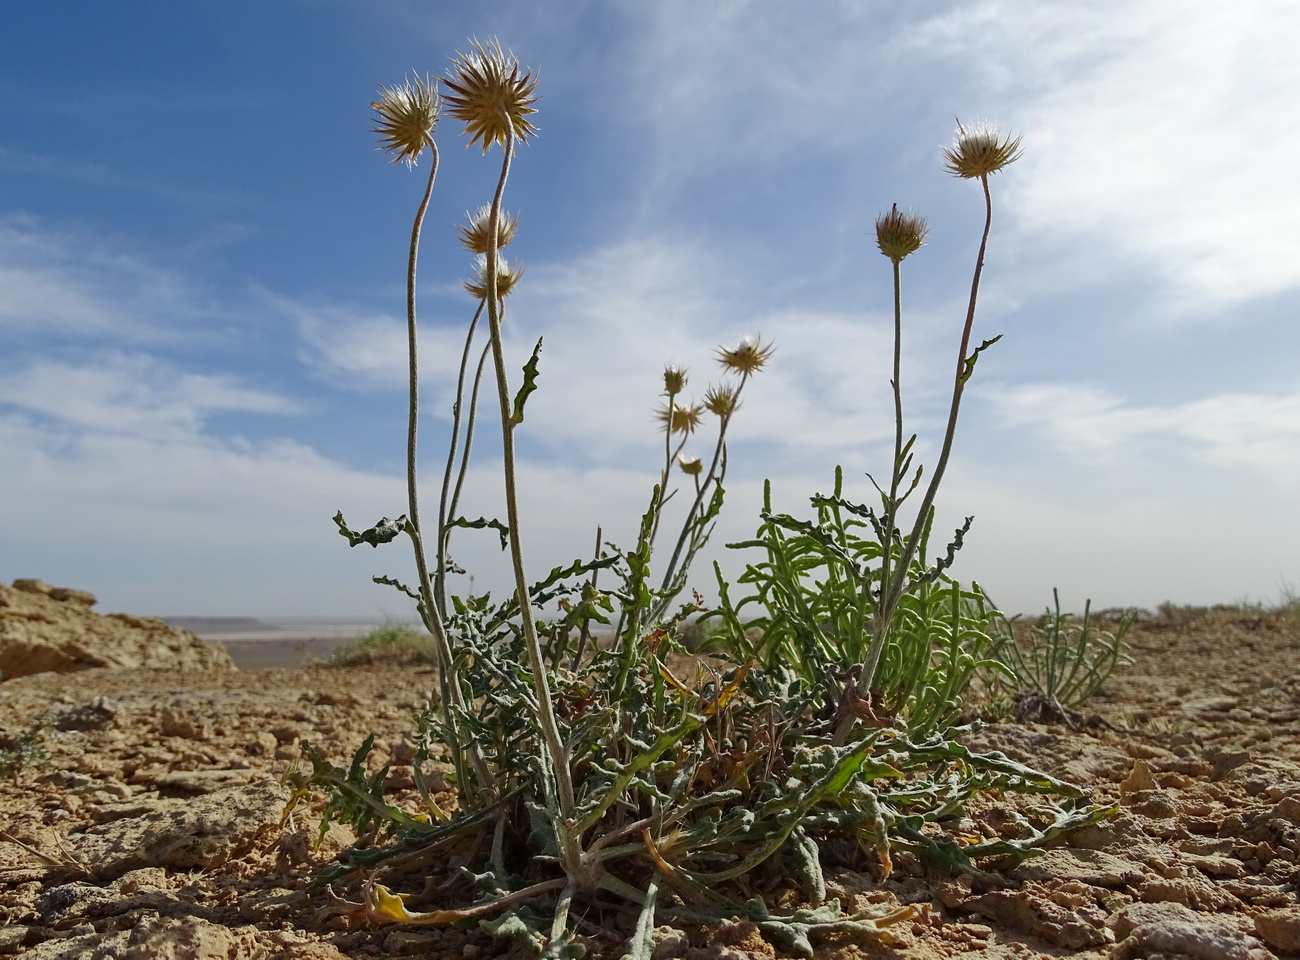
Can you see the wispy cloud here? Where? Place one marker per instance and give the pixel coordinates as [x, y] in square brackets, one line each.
[58, 281]
[132, 395]
[1256, 432]
[1155, 136]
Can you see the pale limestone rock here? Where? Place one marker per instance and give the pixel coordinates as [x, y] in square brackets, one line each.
[39, 633]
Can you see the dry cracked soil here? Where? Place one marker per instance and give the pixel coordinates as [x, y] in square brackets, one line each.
[145, 819]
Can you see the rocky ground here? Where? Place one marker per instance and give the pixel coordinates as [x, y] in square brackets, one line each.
[142, 816]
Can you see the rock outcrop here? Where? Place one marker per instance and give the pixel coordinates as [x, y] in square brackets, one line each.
[44, 628]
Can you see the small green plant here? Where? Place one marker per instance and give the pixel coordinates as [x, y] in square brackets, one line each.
[629, 776]
[1056, 664]
[25, 751]
[816, 593]
[388, 641]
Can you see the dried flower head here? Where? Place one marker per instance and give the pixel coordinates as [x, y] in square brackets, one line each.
[474, 232]
[691, 466]
[898, 234]
[507, 276]
[493, 95]
[980, 150]
[674, 380]
[722, 400]
[679, 419]
[408, 115]
[746, 357]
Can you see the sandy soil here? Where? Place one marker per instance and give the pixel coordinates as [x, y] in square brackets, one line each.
[152, 828]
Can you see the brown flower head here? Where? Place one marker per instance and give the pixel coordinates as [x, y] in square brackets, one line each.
[722, 401]
[493, 95]
[507, 276]
[691, 466]
[674, 380]
[898, 234]
[408, 115]
[746, 357]
[679, 419]
[980, 150]
[474, 232]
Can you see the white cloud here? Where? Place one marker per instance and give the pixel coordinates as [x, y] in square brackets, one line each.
[1154, 137]
[133, 395]
[60, 282]
[1153, 132]
[1259, 433]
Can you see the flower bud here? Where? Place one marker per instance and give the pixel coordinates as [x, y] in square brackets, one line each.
[898, 234]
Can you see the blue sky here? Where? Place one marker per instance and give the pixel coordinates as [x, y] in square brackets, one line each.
[201, 284]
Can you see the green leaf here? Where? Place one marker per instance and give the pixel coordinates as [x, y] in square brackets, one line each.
[483, 523]
[970, 361]
[383, 532]
[390, 582]
[530, 384]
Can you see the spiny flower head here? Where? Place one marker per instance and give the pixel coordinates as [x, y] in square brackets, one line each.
[493, 95]
[980, 150]
[474, 233]
[674, 380]
[691, 466]
[898, 234]
[408, 115]
[679, 419]
[722, 401]
[507, 276]
[746, 357]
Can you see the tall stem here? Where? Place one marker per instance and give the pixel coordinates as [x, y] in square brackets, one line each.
[554, 744]
[889, 602]
[430, 613]
[444, 513]
[896, 473]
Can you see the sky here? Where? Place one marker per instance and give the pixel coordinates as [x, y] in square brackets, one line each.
[202, 301]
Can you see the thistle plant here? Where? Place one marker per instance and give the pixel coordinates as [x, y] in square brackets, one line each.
[624, 775]
[977, 153]
[854, 595]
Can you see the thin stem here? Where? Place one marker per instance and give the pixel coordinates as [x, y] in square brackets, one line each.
[668, 463]
[895, 477]
[889, 602]
[570, 853]
[444, 516]
[469, 433]
[711, 478]
[430, 612]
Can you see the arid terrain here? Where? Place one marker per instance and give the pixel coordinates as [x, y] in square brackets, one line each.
[144, 816]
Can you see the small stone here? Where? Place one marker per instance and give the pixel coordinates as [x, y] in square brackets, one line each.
[201, 781]
[1288, 809]
[11, 938]
[201, 833]
[1209, 705]
[1138, 780]
[175, 722]
[92, 715]
[263, 745]
[404, 752]
[1280, 929]
[1093, 867]
[39, 587]
[68, 595]
[1202, 938]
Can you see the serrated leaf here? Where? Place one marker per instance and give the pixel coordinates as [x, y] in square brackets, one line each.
[383, 532]
[530, 384]
[483, 523]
